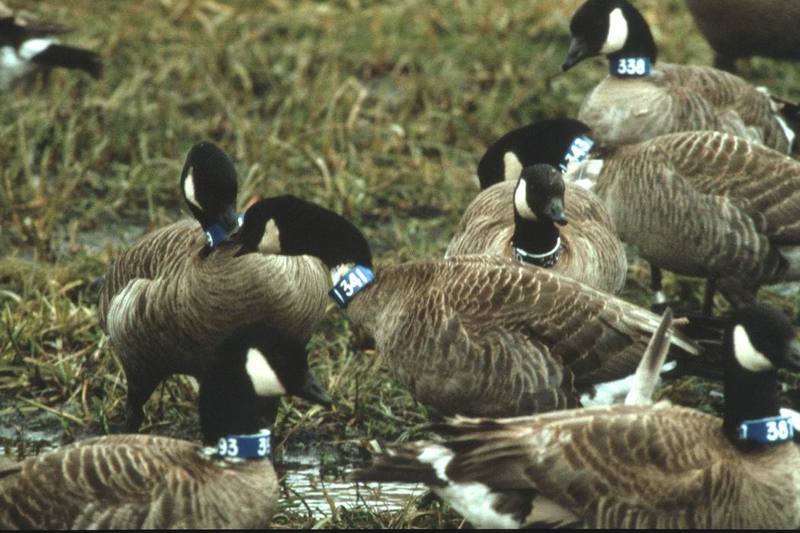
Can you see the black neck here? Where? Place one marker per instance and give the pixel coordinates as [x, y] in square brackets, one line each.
[748, 396]
[534, 236]
[306, 229]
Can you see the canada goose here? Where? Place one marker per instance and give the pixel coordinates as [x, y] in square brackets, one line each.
[138, 481]
[518, 217]
[473, 334]
[627, 466]
[705, 204]
[745, 28]
[640, 100]
[171, 295]
[26, 48]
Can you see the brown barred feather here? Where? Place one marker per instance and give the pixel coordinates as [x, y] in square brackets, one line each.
[706, 204]
[166, 305]
[622, 467]
[592, 252]
[681, 98]
[136, 482]
[485, 336]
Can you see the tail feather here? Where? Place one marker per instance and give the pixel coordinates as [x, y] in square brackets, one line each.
[401, 464]
[646, 381]
[790, 113]
[58, 55]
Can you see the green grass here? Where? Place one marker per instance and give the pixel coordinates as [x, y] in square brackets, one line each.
[379, 110]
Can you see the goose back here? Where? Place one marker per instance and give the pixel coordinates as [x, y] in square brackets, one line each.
[166, 302]
[705, 204]
[679, 98]
[136, 482]
[610, 467]
[591, 251]
[483, 335]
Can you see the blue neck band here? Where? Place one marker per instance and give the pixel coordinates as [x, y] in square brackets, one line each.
[577, 151]
[256, 446]
[351, 283]
[770, 430]
[217, 233]
[630, 67]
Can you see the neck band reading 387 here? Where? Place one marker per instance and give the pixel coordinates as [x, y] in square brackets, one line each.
[769, 430]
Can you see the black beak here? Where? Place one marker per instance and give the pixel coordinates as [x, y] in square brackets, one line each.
[578, 51]
[555, 211]
[312, 391]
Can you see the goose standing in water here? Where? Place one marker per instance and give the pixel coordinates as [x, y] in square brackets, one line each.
[153, 482]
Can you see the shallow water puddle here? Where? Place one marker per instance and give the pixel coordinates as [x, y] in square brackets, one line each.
[320, 493]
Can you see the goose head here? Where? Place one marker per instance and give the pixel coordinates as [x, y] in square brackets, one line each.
[250, 371]
[208, 185]
[759, 341]
[539, 195]
[613, 28]
[290, 226]
[551, 141]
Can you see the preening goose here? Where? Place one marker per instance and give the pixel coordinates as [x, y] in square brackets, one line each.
[705, 204]
[138, 481]
[480, 335]
[26, 47]
[628, 466]
[170, 297]
[744, 28]
[515, 218]
[640, 100]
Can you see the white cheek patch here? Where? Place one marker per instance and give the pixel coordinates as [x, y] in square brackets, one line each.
[512, 167]
[188, 190]
[617, 32]
[265, 381]
[746, 354]
[521, 201]
[271, 241]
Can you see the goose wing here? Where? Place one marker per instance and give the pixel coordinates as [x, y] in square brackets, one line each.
[147, 258]
[762, 182]
[619, 466]
[460, 364]
[597, 336]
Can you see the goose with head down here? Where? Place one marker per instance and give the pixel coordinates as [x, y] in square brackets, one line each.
[480, 335]
[175, 292]
[155, 482]
[627, 466]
